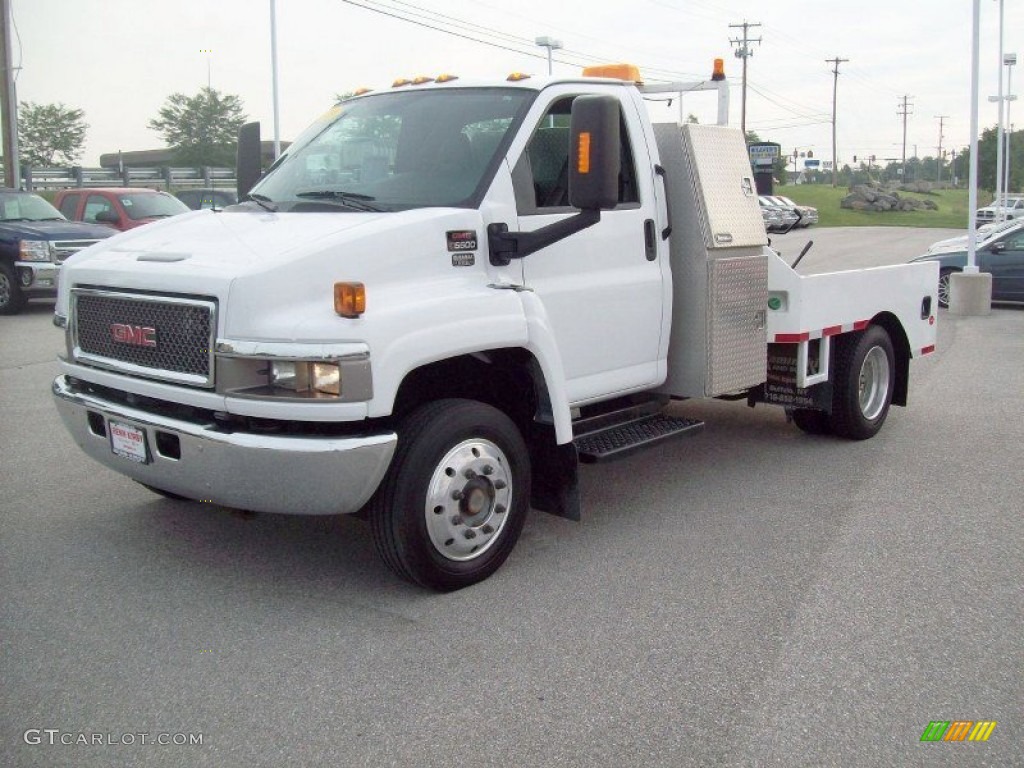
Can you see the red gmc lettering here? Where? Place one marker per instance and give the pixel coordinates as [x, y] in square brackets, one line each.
[136, 335]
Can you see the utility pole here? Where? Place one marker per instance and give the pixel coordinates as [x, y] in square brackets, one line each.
[835, 84]
[8, 101]
[938, 155]
[903, 110]
[744, 52]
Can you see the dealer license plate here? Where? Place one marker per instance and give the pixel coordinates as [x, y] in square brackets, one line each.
[128, 441]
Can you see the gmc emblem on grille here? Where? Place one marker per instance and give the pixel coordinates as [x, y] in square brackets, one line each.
[136, 335]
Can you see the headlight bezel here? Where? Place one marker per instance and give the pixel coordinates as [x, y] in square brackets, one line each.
[36, 250]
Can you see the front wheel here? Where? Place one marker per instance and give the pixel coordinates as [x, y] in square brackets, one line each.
[455, 499]
[11, 298]
[865, 374]
[944, 286]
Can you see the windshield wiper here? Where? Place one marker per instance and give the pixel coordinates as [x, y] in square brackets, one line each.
[262, 201]
[352, 200]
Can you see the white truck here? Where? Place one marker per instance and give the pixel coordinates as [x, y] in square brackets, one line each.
[446, 295]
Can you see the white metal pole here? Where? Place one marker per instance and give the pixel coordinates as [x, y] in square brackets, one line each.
[999, 130]
[273, 67]
[1009, 128]
[972, 182]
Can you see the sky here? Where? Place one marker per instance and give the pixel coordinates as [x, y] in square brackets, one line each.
[119, 60]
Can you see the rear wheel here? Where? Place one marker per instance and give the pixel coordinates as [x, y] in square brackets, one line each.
[455, 499]
[865, 374]
[11, 298]
[944, 286]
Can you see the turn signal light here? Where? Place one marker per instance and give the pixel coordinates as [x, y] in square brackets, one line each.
[446, 78]
[515, 77]
[422, 79]
[361, 91]
[349, 299]
[583, 156]
[400, 82]
[718, 73]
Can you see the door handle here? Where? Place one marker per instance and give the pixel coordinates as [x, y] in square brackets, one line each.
[650, 240]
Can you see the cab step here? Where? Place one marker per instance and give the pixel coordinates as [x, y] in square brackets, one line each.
[615, 442]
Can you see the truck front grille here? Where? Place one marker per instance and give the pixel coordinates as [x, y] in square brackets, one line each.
[64, 248]
[160, 337]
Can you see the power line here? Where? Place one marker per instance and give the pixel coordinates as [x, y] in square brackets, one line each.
[835, 87]
[743, 52]
[938, 153]
[902, 110]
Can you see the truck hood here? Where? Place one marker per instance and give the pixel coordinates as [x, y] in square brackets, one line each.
[54, 230]
[262, 266]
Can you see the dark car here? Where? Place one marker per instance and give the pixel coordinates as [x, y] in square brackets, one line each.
[1002, 257]
[207, 198]
[34, 241]
[122, 208]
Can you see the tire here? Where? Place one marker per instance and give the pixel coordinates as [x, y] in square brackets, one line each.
[812, 421]
[865, 375]
[455, 499]
[944, 286]
[11, 298]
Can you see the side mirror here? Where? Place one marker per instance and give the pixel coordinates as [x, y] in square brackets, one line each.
[248, 159]
[594, 153]
[108, 217]
[997, 247]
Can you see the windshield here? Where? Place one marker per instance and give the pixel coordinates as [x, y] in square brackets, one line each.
[143, 206]
[25, 207]
[399, 150]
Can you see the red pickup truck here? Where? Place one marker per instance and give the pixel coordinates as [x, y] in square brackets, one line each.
[119, 207]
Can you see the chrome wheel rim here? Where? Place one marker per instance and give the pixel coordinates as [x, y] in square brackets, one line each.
[873, 385]
[944, 289]
[468, 499]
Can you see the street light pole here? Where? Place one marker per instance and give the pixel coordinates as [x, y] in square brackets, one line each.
[1009, 60]
[273, 68]
[551, 44]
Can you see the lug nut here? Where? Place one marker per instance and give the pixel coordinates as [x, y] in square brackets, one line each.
[457, 495]
[488, 469]
[456, 520]
[470, 534]
[469, 474]
[500, 484]
[487, 529]
[499, 509]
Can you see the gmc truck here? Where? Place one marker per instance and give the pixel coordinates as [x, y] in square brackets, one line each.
[445, 296]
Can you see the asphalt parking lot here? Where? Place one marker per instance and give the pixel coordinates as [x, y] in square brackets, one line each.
[753, 596]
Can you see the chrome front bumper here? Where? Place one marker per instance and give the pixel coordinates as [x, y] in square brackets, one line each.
[264, 473]
[44, 276]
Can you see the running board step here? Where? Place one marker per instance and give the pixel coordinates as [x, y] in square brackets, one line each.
[625, 439]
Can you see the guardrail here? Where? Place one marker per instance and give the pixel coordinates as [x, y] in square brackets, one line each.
[164, 177]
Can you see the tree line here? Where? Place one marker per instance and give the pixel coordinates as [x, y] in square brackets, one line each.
[200, 130]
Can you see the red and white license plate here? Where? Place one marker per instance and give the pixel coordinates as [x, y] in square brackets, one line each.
[128, 441]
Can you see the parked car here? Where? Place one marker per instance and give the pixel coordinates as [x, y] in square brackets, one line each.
[1011, 208]
[34, 241]
[985, 233]
[122, 208]
[1002, 257]
[207, 198]
[787, 217]
[808, 213]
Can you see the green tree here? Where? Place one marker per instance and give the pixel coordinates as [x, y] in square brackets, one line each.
[50, 134]
[201, 129]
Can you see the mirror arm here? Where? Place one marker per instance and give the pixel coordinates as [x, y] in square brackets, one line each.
[505, 246]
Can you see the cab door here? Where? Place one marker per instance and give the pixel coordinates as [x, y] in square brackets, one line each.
[602, 288]
[1004, 260]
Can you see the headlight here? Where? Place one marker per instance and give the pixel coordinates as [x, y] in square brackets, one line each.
[36, 250]
[306, 378]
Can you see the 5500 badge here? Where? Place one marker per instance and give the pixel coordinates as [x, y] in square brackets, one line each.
[460, 242]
